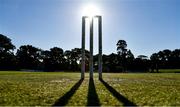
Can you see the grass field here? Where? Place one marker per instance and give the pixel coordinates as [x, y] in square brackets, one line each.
[169, 70]
[55, 88]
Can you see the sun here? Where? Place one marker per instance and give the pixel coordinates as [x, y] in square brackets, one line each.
[90, 10]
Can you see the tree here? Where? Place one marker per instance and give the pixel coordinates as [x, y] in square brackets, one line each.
[175, 58]
[121, 47]
[122, 52]
[5, 44]
[57, 58]
[28, 57]
[112, 62]
[141, 63]
[167, 54]
[73, 59]
[95, 61]
[176, 53]
[67, 55]
[47, 62]
[166, 59]
[142, 57]
[7, 57]
[105, 60]
[76, 58]
[130, 59]
[154, 62]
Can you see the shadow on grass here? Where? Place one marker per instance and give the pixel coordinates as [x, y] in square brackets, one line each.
[62, 101]
[93, 99]
[118, 96]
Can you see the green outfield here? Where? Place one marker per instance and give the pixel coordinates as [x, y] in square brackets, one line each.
[169, 70]
[59, 88]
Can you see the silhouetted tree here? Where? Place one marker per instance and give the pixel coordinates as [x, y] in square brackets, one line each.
[141, 63]
[5, 44]
[87, 60]
[142, 57]
[175, 58]
[167, 56]
[166, 59]
[121, 47]
[112, 62]
[76, 57]
[105, 60]
[57, 58]
[68, 61]
[95, 62]
[154, 62]
[47, 60]
[28, 57]
[73, 59]
[7, 58]
[130, 60]
[122, 52]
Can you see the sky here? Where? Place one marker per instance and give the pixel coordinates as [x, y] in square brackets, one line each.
[147, 26]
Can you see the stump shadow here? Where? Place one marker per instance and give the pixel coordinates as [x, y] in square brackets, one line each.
[92, 97]
[62, 101]
[117, 95]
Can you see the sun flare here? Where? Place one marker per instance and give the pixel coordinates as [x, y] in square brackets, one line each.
[90, 10]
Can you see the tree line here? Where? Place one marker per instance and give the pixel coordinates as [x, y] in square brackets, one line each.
[29, 57]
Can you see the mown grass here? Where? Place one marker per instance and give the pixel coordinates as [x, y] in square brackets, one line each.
[59, 88]
[169, 70]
